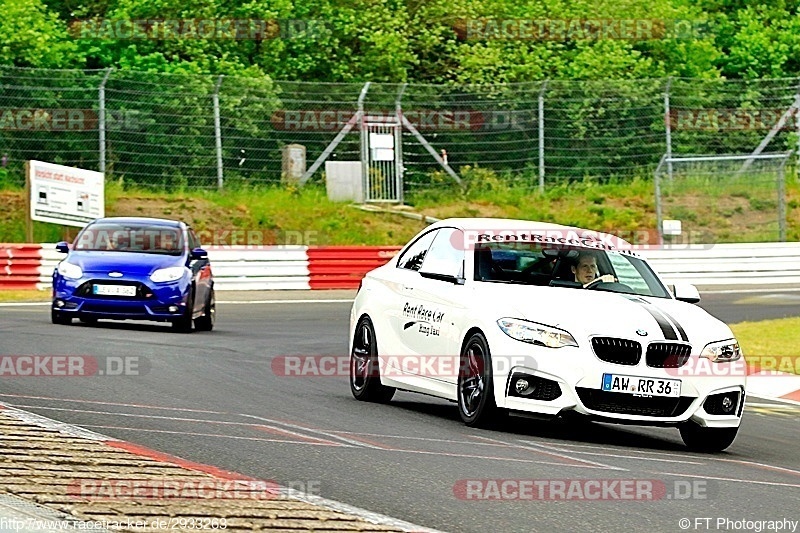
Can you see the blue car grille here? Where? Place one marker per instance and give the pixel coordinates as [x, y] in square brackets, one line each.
[91, 307]
[142, 291]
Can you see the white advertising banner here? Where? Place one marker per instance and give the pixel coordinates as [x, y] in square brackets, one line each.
[65, 195]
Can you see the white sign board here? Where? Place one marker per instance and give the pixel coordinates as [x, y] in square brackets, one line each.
[65, 195]
[671, 227]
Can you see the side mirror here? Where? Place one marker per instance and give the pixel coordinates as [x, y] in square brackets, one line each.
[198, 253]
[686, 292]
[62, 247]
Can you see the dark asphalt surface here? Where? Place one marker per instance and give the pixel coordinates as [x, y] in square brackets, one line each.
[214, 398]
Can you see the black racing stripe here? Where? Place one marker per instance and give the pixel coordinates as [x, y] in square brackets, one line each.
[681, 331]
[663, 323]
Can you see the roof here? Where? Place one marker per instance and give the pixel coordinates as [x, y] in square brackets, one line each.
[506, 229]
[140, 220]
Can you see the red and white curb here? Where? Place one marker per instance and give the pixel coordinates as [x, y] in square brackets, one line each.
[774, 386]
[76, 431]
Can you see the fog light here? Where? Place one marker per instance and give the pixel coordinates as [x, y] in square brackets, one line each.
[523, 387]
[173, 308]
[59, 303]
[727, 404]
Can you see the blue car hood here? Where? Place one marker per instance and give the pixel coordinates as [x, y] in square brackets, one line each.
[133, 263]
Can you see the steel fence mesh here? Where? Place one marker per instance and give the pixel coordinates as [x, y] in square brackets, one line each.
[725, 198]
[160, 129]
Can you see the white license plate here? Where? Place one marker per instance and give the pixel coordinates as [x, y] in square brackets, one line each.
[641, 385]
[114, 290]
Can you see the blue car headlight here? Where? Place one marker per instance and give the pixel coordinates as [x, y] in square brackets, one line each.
[70, 271]
[533, 333]
[165, 275]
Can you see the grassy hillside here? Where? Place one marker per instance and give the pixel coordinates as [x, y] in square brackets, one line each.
[289, 216]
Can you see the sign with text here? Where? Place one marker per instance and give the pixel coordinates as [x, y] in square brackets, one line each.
[65, 195]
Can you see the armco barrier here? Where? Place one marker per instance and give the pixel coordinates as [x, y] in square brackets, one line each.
[27, 266]
[342, 267]
[21, 265]
[729, 264]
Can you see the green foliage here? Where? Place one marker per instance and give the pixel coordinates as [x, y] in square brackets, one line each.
[32, 36]
[413, 40]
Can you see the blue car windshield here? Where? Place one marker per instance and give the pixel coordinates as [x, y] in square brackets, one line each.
[149, 239]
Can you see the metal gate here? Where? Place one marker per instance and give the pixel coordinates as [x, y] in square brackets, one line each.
[382, 159]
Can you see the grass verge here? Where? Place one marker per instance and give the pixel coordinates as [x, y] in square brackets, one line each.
[761, 349]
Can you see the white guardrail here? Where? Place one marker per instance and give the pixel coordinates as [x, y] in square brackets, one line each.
[287, 267]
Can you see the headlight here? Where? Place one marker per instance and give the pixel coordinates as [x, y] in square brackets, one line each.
[68, 270]
[534, 333]
[722, 351]
[163, 275]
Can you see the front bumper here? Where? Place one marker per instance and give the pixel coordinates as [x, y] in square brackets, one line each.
[158, 302]
[569, 383]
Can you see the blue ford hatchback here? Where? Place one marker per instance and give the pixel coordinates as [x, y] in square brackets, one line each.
[135, 269]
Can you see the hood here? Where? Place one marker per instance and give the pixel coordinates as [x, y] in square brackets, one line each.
[126, 262]
[585, 313]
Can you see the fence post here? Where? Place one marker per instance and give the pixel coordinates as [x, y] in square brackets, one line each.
[362, 128]
[668, 126]
[218, 133]
[797, 125]
[101, 120]
[541, 137]
[398, 143]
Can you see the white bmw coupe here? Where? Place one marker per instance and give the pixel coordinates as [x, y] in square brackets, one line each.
[511, 316]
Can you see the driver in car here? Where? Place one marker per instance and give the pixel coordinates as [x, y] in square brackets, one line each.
[586, 272]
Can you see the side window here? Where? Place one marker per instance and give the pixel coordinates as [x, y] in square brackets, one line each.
[446, 255]
[194, 242]
[413, 256]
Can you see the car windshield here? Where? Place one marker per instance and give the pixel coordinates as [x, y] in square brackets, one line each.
[536, 264]
[125, 237]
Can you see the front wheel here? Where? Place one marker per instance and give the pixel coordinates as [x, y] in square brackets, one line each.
[700, 439]
[365, 379]
[183, 324]
[206, 322]
[56, 317]
[476, 403]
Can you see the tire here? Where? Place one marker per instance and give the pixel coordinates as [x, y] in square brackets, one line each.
[700, 439]
[476, 403]
[184, 323]
[206, 322]
[57, 318]
[365, 379]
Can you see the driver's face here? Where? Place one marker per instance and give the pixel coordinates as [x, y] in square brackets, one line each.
[586, 270]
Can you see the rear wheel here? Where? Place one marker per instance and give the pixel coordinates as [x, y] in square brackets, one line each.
[700, 439]
[476, 403]
[365, 379]
[56, 317]
[206, 322]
